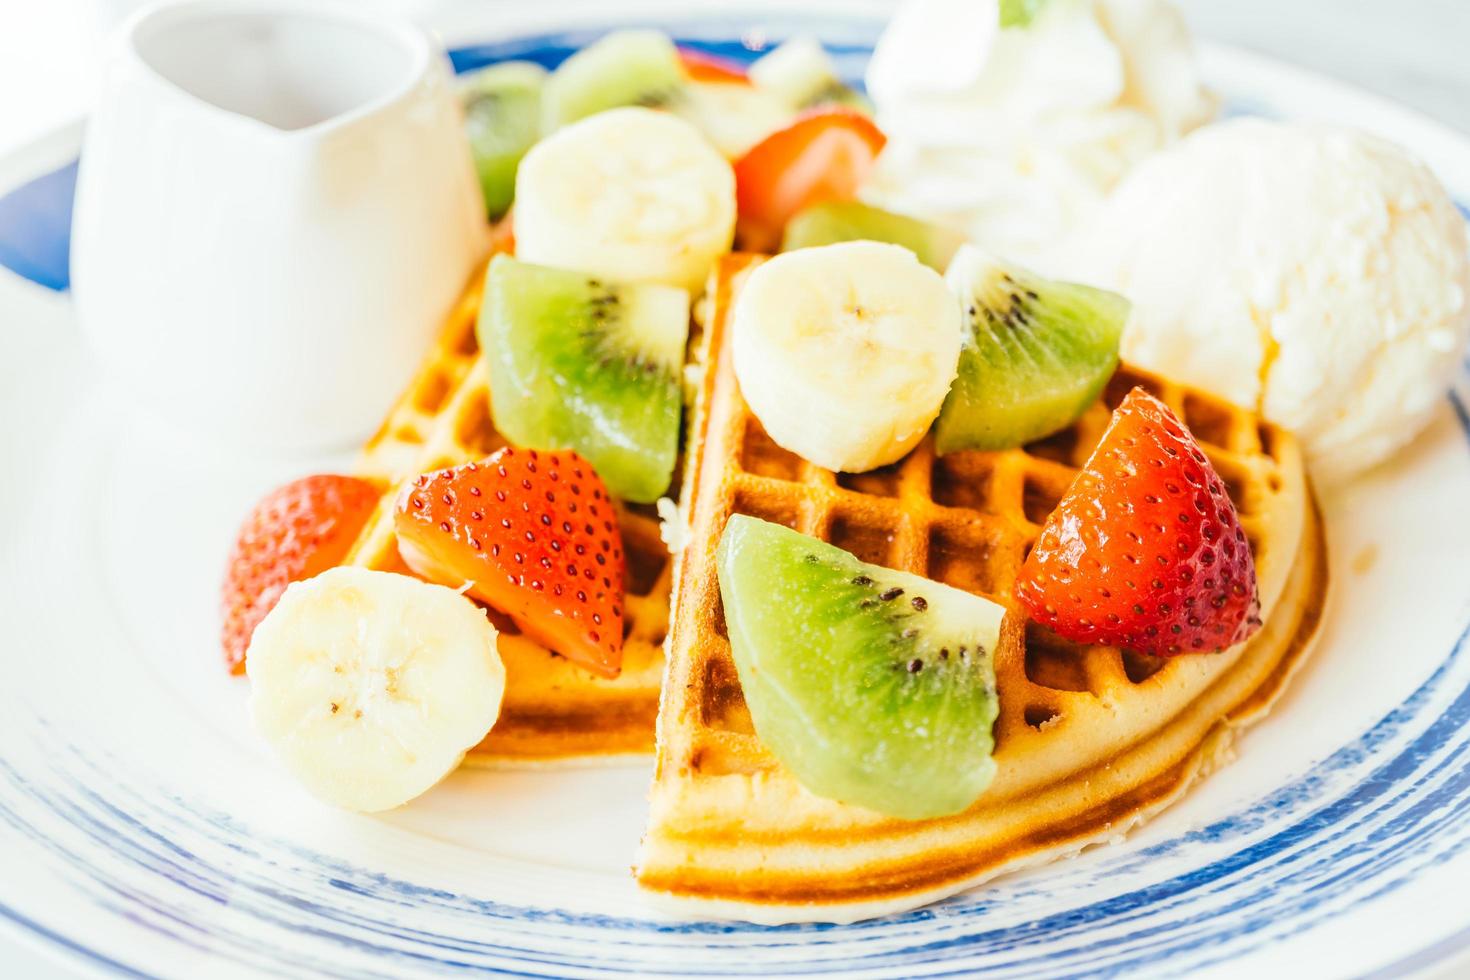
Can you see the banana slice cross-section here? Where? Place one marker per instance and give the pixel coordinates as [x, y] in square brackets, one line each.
[630, 195]
[371, 686]
[845, 352]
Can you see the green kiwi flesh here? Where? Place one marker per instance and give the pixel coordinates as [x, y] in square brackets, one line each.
[635, 67]
[845, 221]
[1034, 355]
[579, 363]
[873, 687]
[1019, 13]
[502, 105]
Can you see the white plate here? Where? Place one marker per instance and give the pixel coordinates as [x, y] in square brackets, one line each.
[145, 830]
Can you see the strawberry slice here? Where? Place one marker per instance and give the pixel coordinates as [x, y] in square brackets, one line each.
[1145, 550]
[293, 533]
[825, 154]
[536, 536]
[700, 66]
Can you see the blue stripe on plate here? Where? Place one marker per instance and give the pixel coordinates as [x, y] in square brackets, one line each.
[30, 925]
[35, 228]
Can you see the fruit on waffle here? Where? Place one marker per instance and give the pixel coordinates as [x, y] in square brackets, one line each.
[848, 350]
[1035, 354]
[502, 108]
[825, 155]
[553, 708]
[1089, 739]
[530, 534]
[829, 222]
[671, 215]
[575, 361]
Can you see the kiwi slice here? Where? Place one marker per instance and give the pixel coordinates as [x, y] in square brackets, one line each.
[802, 74]
[623, 68]
[1035, 354]
[579, 363]
[846, 221]
[502, 108]
[872, 686]
[1019, 13]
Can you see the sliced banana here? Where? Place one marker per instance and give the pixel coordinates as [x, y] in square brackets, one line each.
[631, 195]
[845, 352]
[371, 686]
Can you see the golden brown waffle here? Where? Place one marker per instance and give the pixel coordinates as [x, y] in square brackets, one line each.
[553, 710]
[1089, 740]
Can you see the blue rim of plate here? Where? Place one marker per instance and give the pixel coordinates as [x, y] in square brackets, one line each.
[1291, 859]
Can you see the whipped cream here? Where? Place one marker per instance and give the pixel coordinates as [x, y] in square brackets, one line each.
[1015, 135]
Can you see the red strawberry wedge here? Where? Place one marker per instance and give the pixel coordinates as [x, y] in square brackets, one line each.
[293, 533]
[1145, 550]
[535, 536]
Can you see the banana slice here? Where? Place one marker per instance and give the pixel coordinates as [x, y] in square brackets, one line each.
[845, 352]
[630, 195]
[371, 686]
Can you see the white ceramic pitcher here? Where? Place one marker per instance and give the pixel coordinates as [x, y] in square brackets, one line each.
[276, 206]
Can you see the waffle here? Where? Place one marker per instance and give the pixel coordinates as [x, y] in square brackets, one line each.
[553, 710]
[1089, 740]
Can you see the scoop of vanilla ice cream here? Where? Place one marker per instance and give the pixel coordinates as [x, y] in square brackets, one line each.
[1015, 135]
[1317, 275]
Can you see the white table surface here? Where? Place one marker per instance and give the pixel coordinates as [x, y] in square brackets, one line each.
[1415, 51]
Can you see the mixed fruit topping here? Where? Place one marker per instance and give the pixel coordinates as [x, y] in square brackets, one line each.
[511, 105]
[627, 172]
[825, 155]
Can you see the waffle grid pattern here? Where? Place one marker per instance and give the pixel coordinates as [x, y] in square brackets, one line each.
[552, 709]
[967, 520]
